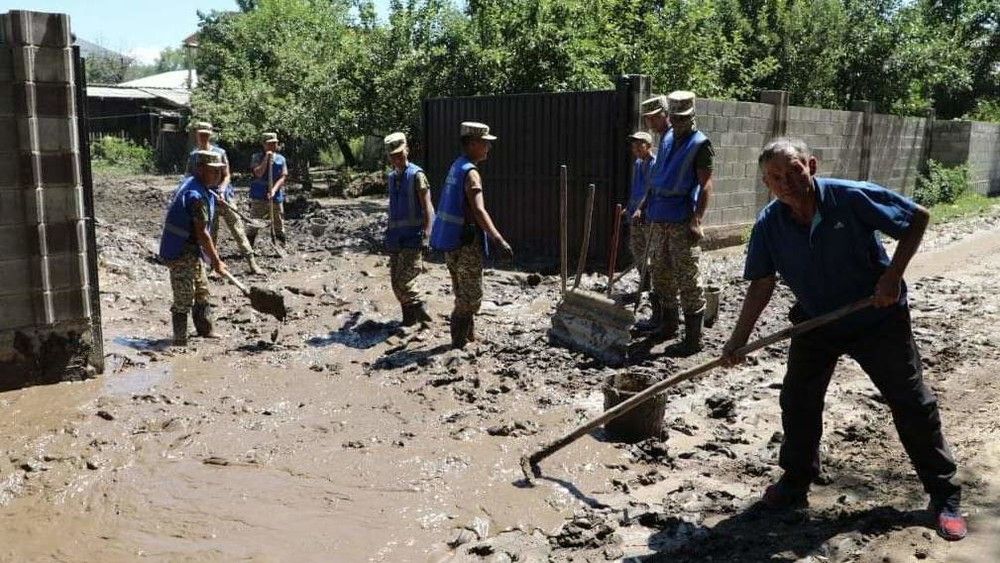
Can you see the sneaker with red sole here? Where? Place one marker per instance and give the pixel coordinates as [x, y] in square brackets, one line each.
[782, 496]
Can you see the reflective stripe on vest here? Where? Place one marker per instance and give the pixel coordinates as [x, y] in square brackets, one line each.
[447, 231]
[675, 188]
[178, 225]
[406, 215]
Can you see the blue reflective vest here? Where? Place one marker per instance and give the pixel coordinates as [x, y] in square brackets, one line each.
[640, 175]
[178, 227]
[222, 154]
[258, 186]
[674, 188]
[446, 234]
[406, 214]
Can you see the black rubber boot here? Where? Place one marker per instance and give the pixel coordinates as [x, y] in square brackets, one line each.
[692, 337]
[408, 316]
[202, 315]
[655, 319]
[670, 321]
[251, 236]
[180, 323]
[460, 330]
[472, 329]
[420, 314]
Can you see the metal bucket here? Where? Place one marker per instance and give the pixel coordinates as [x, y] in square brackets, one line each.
[317, 226]
[645, 420]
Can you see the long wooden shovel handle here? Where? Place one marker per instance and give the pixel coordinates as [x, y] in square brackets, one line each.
[236, 282]
[643, 267]
[588, 221]
[648, 393]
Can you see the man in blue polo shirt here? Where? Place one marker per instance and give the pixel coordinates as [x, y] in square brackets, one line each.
[821, 236]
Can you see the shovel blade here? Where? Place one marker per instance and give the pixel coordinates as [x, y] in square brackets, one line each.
[268, 301]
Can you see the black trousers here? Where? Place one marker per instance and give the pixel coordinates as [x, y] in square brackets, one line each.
[886, 352]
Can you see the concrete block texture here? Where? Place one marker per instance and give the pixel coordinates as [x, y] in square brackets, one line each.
[18, 311]
[9, 170]
[47, 169]
[38, 28]
[6, 63]
[47, 134]
[44, 99]
[20, 241]
[70, 304]
[66, 271]
[19, 276]
[62, 237]
[6, 98]
[61, 204]
[42, 64]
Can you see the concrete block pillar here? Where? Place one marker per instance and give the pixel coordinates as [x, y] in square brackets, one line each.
[779, 100]
[867, 121]
[46, 288]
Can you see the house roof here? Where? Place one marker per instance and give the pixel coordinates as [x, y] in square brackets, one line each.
[175, 79]
[178, 97]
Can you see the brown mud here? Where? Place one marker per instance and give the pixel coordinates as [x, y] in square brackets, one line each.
[337, 435]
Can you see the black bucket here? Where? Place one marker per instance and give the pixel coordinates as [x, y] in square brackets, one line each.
[642, 422]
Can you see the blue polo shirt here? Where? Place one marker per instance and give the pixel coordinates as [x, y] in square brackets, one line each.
[839, 258]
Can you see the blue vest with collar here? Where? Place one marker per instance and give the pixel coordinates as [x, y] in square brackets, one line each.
[446, 234]
[406, 214]
[675, 189]
[178, 227]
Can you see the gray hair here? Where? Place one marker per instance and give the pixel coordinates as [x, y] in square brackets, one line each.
[786, 146]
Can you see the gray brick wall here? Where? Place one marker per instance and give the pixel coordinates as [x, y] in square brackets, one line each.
[897, 149]
[984, 157]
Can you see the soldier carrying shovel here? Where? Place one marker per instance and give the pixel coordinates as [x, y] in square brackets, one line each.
[267, 194]
[185, 237]
[224, 191]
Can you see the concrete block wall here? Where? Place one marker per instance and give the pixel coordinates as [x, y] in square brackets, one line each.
[898, 145]
[44, 288]
[738, 130]
[833, 135]
[984, 157]
[950, 142]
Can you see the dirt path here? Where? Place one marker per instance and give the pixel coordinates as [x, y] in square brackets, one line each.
[340, 437]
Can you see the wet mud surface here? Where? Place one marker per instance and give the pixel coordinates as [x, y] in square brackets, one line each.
[338, 435]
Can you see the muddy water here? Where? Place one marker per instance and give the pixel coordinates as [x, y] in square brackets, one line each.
[207, 461]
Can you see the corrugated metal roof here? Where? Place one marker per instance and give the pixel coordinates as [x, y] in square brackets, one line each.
[176, 96]
[118, 92]
[172, 79]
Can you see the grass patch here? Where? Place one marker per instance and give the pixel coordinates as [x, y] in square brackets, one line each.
[967, 204]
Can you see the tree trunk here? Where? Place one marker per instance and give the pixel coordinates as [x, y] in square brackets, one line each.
[345, 149]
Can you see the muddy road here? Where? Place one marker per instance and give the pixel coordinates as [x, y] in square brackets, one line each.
[338, 436]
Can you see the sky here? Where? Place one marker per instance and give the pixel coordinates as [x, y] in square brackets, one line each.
[140, 28]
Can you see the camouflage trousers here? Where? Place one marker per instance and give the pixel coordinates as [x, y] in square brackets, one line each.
[404, 267]
[674, 267]
[236, 228]
[188, 281]
[637, 239]
[465, 264]
[259, 209]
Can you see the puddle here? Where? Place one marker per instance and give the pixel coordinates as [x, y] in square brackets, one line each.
[356, 334]
[135, 381]
[142, 344]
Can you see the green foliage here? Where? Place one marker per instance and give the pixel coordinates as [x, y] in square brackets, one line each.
[321, 72]
[170, 59]
[115, 155]
[942, 184]
[969, 204]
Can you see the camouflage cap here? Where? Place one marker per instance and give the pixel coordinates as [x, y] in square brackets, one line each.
[654, 105]
[476, 130]
[268, 138]
[208, 158]
[203, 127]
[641, 136]
[394, 143]
[680, 102]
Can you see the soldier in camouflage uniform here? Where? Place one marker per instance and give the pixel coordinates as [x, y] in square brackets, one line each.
[267, 198]
[641, 144]
[460, 230]
[409, 228]
[224, 191]
[185, 237]
[680, 189]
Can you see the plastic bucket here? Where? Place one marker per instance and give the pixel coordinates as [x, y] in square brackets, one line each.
[645, 420]
[317, 226]
[711, 305]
